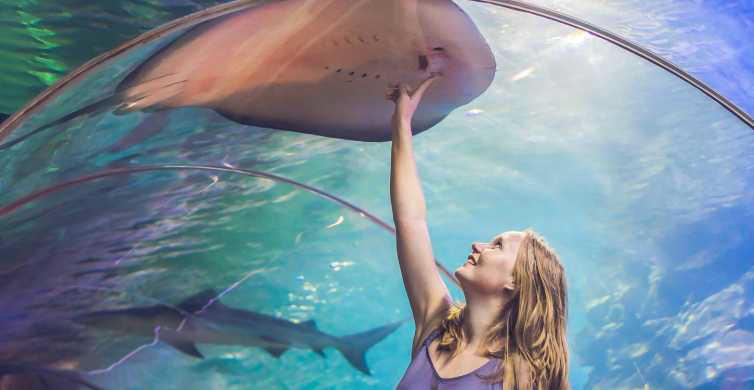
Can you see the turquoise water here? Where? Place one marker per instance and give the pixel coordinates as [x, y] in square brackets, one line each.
[642, 183]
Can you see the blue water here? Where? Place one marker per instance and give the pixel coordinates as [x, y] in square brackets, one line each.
[642, 184]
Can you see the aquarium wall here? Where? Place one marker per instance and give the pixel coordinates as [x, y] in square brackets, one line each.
[120, 229]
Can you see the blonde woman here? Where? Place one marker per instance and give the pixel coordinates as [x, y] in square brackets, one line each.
[511, 331]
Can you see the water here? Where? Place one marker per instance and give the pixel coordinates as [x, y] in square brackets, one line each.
[642, 184]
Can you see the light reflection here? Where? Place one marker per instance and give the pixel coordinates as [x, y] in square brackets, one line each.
[575, 38]
[523, 74]
[285, 197]
[474, 112]
[336, 223]
[639, 350]
[337, 265]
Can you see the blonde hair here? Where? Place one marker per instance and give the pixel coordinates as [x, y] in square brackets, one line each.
[531, 326]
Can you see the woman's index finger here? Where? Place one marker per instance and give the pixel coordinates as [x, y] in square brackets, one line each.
[424, 85]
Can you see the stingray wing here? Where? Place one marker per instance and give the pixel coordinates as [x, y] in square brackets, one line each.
[320, 66]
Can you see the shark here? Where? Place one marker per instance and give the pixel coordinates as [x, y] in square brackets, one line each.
[28, 376]
[203, 319]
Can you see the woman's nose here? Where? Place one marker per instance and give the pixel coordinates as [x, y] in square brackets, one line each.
[478, 246]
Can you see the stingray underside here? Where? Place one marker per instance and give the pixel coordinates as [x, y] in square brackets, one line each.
[319, 67]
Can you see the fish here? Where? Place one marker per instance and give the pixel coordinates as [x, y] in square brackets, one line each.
[312, 66]
[26, 376]
[203, 319]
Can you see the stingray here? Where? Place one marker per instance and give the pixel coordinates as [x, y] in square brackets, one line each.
[313, 66]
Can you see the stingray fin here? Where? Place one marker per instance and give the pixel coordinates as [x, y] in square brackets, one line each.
[152, 93]
[199, 300]
[276, 352]
[182, 344]
[94, 108]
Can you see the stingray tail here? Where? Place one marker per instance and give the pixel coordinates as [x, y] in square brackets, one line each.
[354, 347]
[94, 108]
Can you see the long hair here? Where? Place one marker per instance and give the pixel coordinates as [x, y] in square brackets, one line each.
[532, 326]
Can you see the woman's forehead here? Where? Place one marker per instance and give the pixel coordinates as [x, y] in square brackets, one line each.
[509, 235]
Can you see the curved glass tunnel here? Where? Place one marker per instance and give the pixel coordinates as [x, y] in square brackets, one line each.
[642, 183]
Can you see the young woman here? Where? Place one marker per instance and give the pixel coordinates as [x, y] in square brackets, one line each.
[511, 332]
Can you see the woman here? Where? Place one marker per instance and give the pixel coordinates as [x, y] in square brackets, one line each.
[510, 334]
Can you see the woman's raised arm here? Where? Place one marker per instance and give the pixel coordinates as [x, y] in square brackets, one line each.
[427, 293]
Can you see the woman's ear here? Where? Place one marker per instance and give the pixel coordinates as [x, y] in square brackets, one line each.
[509, 287]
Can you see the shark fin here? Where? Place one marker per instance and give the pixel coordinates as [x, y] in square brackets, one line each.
[309, 324]
[199, 300]
[186, 346]
[355, 346]
[276, 352]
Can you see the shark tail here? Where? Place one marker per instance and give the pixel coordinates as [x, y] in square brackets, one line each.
[355, 346]
[93, 108]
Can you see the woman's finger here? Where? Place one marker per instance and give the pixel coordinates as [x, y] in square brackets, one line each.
[423, 86]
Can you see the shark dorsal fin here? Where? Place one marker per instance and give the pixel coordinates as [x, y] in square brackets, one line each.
[178, 342]
[309, 324]
[276, 352]
[199, 300]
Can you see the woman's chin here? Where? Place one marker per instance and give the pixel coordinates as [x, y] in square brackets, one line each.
[460, 274]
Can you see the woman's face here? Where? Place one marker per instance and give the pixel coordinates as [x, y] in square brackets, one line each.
[489, 267]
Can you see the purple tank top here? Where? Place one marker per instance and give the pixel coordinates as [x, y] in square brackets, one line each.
[422, 375]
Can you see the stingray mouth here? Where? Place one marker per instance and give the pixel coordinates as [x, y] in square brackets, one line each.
[423, 62]
[434, 61]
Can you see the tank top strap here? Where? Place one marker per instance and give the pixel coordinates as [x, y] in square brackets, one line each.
[425, 344]
[432, 335]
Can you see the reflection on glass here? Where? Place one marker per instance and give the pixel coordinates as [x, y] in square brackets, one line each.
[643, 182]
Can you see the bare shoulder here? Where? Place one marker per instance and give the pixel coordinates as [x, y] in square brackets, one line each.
[432, 322]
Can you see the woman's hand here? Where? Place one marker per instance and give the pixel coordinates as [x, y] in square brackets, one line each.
[406, 100]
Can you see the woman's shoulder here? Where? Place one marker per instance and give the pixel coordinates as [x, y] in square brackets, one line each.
[423, 338]
[427, 332]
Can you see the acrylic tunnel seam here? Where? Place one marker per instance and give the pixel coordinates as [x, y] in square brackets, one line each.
[177, 167]
[627, 45]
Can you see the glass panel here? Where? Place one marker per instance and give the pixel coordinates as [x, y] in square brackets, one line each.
[44, 40]
[709, 39]
[640, 182]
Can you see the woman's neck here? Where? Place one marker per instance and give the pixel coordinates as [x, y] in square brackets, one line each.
[481, 313]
